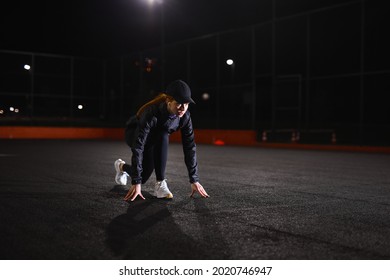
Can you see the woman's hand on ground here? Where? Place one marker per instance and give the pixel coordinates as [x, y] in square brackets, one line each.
[197, 187]
[134, 191]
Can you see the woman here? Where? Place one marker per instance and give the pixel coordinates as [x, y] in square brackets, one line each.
[147, 134]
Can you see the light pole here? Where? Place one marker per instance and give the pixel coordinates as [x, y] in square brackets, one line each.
[231, 64]
[162, 46]
[162, 37]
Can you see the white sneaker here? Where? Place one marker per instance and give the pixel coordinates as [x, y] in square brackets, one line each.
[121, 176]
[161, 190]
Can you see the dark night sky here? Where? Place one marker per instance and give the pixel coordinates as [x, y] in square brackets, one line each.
[116, 27]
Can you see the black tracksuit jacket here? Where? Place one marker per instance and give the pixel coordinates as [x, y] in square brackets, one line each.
[155, 119]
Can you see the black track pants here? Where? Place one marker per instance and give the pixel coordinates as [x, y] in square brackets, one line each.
[154, 157]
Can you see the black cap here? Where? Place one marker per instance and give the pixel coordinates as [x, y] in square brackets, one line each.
[180, 91]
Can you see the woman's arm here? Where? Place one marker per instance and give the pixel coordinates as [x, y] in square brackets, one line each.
[189, 148]
[146, 123]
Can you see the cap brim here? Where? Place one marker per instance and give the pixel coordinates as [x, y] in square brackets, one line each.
[185, 101]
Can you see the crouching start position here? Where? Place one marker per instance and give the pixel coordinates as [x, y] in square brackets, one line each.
[147, 134]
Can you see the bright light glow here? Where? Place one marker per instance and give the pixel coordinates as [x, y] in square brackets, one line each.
[205, 96]
[11, 109]
[80, 107]
[27, 67]
[1, 111]
[151, 2]
[229, 61]
[16, 110]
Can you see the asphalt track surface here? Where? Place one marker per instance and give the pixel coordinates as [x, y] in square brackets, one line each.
[58, 200]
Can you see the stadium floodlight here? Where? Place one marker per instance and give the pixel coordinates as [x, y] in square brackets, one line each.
[151, 2]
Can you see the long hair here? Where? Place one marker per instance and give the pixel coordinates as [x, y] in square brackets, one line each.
[162, 97]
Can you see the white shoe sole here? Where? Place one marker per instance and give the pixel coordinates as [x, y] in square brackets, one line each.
[167, 196]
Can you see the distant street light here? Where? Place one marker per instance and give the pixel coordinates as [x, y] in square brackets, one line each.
[27, 67]
[229, 62]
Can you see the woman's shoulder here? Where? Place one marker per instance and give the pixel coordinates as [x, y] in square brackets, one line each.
[149, 114]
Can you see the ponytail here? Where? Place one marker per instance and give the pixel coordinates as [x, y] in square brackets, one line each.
[162, 97]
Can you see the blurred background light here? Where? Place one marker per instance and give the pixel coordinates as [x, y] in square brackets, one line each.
[205, 96]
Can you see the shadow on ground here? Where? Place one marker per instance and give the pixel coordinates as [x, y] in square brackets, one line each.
[148, 230]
